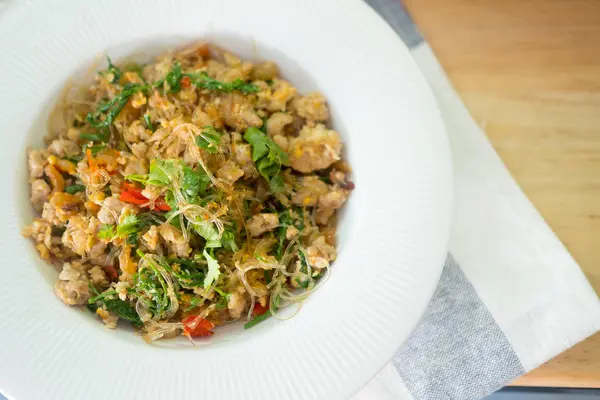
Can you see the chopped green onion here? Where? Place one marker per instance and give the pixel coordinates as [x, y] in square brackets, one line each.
[74, 189]
[257, 320]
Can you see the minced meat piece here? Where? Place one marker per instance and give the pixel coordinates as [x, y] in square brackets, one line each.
[316, 148]
[261, 223]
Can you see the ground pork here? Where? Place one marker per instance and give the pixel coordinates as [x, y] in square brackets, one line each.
[316, 148]
[126, 263]
[278, 121]
[319, 254]
[37, 161]
[151, 238]
[109, 318]
[243, 156]
[64, 148]
[65, 205]
[40, 193]
[237, 112]
[175, 240]
[280, 94]
[265, 71]
[236, 303]
[330, 202]
[110, 211]
[309, 190]
[313, 106]
[72, 286]
[261, 223]
[230, 172]
[80, 237]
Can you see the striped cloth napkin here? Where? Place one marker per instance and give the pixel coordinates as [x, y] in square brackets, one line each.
[510, 297]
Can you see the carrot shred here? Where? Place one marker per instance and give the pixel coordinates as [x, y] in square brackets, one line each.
[91, 160]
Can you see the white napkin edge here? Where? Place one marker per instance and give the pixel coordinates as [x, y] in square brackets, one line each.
[522, 272]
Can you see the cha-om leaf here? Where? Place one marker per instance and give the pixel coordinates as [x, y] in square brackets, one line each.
[114, 70]
[107, 112]
[203, 81]
[173, 78]
[123, 309]
[101, 136]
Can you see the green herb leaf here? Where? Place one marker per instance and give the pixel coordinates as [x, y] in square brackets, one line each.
[209, 139]
[206, 229]
[124, 310]
[74, 159]
[132, 239]
[152, 287]
[173, 78]
[267, 156]
[102, 136]
[228, 240]
[148, 122]
[276, 184]
[97, 295]
[304, 267]
[175, 221]
[213, 244]
[187, 272]
[259, 141]
[137, 178]
[196, 301]
[109, 300]
[195, 182]
[130, 224]
[326, 179]
[213, 270]
[160, 170]
[95, 148]
[258, 319]
[115, 71]
[72, 189]
[203, 81]
[285, 220]
[106, 232]
[137, 68]
[106, 113]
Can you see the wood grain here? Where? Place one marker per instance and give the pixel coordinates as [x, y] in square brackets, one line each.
[529, 72]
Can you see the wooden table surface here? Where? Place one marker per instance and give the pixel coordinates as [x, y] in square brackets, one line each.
[529, 72]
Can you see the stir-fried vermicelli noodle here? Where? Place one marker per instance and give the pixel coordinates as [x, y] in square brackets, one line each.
[189, 192]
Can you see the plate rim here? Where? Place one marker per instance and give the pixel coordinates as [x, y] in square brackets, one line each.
[16, 10]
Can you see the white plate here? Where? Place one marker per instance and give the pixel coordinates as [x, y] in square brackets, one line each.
[392, 238]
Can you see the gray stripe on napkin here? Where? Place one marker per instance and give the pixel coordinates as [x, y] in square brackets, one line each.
[457, 351]
[395, 15]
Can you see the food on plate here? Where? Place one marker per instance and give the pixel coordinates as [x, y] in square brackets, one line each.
[187, 193]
